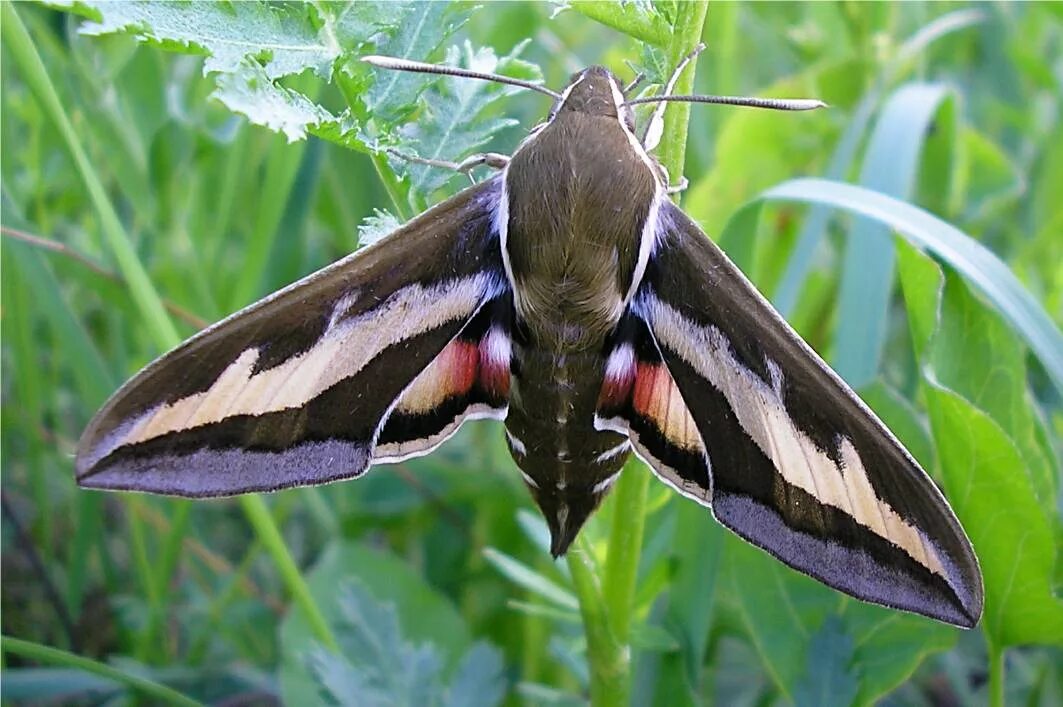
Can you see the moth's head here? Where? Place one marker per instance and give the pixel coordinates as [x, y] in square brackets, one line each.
[595, 91]
[566, 510]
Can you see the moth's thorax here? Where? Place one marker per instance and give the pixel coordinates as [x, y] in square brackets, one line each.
[596, 92]
[578, 197]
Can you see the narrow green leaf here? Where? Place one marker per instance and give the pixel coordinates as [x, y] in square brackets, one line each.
[815, 227]
[970, 258]
[891, 166]
[521, 574]
[144, 686]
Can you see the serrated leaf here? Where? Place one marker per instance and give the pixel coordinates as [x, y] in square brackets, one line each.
[376, 226]
[419, 36]
[353, 24]
[250, 92]
[425, 615]
[479, 680]
[455, 125]
[379, 668]
[281, 36]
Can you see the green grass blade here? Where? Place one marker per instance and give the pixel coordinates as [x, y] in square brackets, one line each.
[891, 166]
[970, 258]
[47, 654]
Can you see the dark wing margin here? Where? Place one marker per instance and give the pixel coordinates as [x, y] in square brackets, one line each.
[799, 466]
[296, 388]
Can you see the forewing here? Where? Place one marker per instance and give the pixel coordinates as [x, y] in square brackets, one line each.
[799, 465]
[295, 389]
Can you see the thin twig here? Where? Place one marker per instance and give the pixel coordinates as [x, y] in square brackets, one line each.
[63, 249]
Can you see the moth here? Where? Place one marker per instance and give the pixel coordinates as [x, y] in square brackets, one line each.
[569, 297]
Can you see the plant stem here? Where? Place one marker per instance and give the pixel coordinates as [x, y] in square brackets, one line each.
[607, 607]
[996, 675]
[625, 547]
[609, 658]
[46, 654]
[689, 25]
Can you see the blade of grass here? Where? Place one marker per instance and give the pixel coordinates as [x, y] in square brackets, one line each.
[65, 250]
[891, 166]
[28, 391]
[54, 656]
[975, 262]
[140, 287]
[282, 166]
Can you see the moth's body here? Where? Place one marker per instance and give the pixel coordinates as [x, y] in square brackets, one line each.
[570, 298]
[572, 272]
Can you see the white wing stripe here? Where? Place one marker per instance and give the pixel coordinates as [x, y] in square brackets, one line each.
[761, 412]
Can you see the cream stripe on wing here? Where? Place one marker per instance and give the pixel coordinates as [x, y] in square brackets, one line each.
[345, 348]
[762, 414]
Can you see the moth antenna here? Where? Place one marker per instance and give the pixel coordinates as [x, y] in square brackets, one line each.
[749, 101]
[387, 62]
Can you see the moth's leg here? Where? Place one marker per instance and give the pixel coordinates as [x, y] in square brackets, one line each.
[676, 188]
[666, 179]
[651, 137]
[639, 77]
[493, 160]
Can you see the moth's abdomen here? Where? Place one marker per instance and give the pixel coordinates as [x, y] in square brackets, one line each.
[567, 463]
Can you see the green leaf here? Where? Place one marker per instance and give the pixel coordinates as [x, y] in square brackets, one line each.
[282, 37]
[784, 145]
[975, 393]
[250, 92]
[479, 679]
[378, 667]
[424, 615]
[456, 121]
[829, 675]
[783, 610]
[519, 573]
[424, 28]
[376, 226]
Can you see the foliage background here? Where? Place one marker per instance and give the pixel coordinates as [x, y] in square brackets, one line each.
[432, 576]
